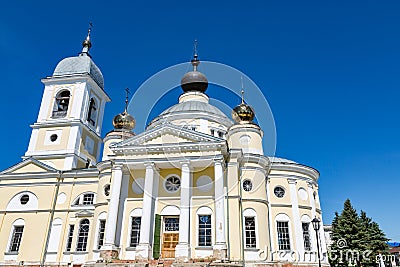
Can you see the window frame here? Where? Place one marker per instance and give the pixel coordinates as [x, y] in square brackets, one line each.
[250, 245]
[287, 246]
[16, 240]
[83, 239]
[207, 231]
[101, 233]
[306, 236]
[136, 230]
[80, 200]
[70, 238]
[92, 112]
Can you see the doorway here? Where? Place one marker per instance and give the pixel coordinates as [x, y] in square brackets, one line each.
[170, 236]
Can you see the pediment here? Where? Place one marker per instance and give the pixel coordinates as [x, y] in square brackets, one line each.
[84, 213]
[29, 165]
[166, 134]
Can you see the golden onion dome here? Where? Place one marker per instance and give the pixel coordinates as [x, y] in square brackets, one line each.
[124, 121]
[243, 112]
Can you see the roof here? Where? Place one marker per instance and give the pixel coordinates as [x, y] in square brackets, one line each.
[194, 106]
[192, 109]
[281, 160]
[81, 64]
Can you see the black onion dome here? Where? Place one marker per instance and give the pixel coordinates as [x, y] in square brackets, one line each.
[194, 80]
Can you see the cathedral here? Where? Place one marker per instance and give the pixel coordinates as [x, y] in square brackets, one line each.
[194, 187]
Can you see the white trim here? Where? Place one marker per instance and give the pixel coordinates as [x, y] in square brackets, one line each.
[170, 210]
[55, 235]
[15, 205]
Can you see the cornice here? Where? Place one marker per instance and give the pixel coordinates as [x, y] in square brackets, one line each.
[170, 148]
[261, 160]
[74, 78]
[295, 167]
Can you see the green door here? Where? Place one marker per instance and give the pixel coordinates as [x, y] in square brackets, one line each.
[157, 237]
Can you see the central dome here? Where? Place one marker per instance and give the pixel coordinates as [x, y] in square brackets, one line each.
[192, 106]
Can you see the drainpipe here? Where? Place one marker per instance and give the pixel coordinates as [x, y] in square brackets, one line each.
[228, 255]
[269, 215]
[241, 214]
[52, 211]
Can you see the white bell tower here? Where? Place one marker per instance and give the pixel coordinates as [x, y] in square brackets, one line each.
[68, 128]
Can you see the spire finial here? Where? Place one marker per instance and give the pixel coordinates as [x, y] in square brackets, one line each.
[195, 61]
[127, 99]
[242, 92]
[87, 44]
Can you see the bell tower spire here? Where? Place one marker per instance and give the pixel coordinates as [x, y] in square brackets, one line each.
[87, 44]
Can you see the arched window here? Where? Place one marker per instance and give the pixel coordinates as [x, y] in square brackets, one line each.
[92, 114]
[16, 235]
[85, 199]
[204, 236]
[83, 235]
[282, 227]
[61, 104]
[249, 224]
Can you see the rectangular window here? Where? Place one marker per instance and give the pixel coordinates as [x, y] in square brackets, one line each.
[135, 231]
[306, 236]
[88, 199]
[171, 224]
[204, 230]
[212, 132]
[283, 235]
[102, 228]
[16, 238]
[250, 230]
[70, 236]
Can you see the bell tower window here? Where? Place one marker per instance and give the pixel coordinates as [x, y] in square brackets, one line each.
[92, 115]
[61, 104]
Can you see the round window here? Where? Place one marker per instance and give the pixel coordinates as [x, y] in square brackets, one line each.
[107, 190]
[53, 137]
[247, 185]
[24, 199]
[279, 191]
[172, 183]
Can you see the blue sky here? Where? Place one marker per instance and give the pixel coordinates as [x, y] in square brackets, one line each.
[329, 69]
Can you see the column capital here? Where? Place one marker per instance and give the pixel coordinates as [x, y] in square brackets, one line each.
[150, 165]
[117, 167]
[185, 163]
[310, 185]
[219, 160]
[292, 181]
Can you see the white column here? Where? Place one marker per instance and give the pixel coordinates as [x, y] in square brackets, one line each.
[112, 214]
[144, 250]
[220, 239]
[182, 250]
[298, 229]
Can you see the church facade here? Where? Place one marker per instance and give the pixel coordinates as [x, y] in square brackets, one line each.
[194, 186]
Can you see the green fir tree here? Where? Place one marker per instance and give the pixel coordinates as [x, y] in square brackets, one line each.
[356, 239]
